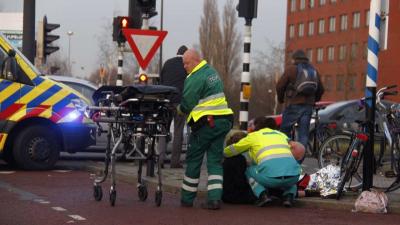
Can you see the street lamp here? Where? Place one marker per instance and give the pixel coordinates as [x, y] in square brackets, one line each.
[69, 33]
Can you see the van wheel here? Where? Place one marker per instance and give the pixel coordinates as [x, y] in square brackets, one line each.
[9, 157]
[36, 148]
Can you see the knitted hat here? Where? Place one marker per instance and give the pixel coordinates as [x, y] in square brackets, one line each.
[299, 54]
[182, 50]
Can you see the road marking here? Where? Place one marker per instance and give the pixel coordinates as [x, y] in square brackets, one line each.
[77, 217]
[57, 208]
[41, 201]
[61, 171]
[7, 172]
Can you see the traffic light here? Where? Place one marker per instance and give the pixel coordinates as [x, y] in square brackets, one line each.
[147, 6]
[47, 38]
[247, 9]
[121, 22]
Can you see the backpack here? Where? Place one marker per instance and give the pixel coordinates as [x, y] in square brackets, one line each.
[306, 80]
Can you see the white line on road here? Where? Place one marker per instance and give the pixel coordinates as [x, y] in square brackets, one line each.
[41, 201]
[57, 208]
[62, 171]
[77, 217]
[7, 172]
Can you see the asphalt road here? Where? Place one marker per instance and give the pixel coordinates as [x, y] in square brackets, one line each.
[64, 196]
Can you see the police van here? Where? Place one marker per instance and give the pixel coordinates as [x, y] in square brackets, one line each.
[39, 117]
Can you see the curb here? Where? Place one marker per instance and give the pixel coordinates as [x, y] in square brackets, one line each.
[345, 204]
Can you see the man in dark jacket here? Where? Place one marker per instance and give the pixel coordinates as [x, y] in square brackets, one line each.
[174, 74]
[299, 107]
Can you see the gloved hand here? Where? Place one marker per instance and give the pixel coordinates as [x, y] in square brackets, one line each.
[179, 111]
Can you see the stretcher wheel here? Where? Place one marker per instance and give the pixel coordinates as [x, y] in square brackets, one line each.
[113, 196]
[97, 192]
[142, 192]
[158, 198]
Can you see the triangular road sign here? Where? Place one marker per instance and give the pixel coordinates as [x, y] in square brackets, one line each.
[144, 43]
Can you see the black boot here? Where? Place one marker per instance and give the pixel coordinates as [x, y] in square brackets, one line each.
[264, 199]
[288, 201]
[212, 204]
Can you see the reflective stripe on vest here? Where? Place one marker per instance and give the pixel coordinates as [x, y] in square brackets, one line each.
[273, 153]
[211, 105]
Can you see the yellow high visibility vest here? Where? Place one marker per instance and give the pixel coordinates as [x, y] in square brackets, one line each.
[262, 145]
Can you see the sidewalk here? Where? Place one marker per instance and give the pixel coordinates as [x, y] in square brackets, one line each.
[172, 180]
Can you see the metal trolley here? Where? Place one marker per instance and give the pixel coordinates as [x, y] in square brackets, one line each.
[136, 116]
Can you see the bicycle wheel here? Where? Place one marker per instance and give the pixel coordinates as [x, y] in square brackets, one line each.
[333, 149]
[395, 150]
[346, 177]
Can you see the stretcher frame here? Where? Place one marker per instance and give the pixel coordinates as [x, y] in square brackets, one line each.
[135, 120]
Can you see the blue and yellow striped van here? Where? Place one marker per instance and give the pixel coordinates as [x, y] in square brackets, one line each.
[39, 117]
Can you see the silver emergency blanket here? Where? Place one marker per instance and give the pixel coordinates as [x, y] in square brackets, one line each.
[325, 181]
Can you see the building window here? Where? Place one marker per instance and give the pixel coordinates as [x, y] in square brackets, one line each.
[343, 22]
[292, 5]
[367, 18]
[365, 50]
[342, 52]
[356, 20]
[309, 53]
[321, 26]
[311, 28]
[339, 82]
[322, 2]
[332, 24]
[328, 83]
[312, 3]
[291, 31]
[352, 82]
[331, 53]
[302, 4]
[301, 29]
[320, 55]
[354, 49]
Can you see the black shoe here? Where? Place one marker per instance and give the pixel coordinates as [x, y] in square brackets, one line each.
[263, 200]
[213, 205]
[186, 204]
[288, 202]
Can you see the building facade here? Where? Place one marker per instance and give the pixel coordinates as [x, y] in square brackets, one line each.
[334, 35]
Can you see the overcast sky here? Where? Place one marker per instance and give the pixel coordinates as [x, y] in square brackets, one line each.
[181, 19]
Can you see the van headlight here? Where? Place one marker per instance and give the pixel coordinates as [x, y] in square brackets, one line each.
[80, 106]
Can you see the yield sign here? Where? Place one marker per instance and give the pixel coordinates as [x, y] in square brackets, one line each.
[144, 43]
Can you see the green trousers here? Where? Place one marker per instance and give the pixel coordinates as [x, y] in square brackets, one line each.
[211, 141]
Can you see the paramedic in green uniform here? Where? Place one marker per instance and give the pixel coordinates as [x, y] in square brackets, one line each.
[210, 120]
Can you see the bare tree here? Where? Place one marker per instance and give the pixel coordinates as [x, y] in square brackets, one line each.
[56, 64]
[220, 46]
[270, 65]
[210, 32]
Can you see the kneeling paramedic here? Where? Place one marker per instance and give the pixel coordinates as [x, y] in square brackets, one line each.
[275, 166]
[210, 120]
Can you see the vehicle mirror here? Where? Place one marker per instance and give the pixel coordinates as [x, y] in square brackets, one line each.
[9, 66]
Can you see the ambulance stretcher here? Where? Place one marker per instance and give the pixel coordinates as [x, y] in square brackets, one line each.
[136, 116]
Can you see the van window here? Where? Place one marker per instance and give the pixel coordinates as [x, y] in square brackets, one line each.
[22, 77]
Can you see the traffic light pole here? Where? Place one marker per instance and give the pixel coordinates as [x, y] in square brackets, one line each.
[161, 140]
[245, 78]
[121, 47]
[370, 92]
[28, 44]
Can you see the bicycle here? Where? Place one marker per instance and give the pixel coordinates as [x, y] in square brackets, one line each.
[348, 146]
